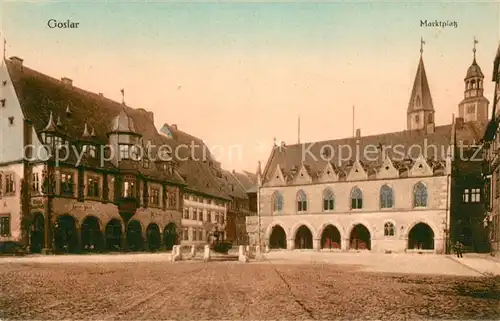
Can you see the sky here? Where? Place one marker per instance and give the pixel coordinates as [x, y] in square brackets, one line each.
[239, 74]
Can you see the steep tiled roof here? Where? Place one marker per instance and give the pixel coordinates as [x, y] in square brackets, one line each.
[41, 95]
[244, 180]
[235, 189]
[402, 147]
[252, 177]
[197, 162]
[420, 97]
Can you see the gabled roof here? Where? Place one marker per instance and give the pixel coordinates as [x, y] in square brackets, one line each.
[420, 98]
[40, 96]
[409, 142]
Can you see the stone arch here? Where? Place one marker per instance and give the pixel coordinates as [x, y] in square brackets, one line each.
[37, 233]
[114, 234]
[66, 236]
[134, 235]
[269, 229]
[293, 230]
[277, 238]
[421, 235]
[331, 236]
[170, 235]
[115, 218]
[92, 235]
[360, 236]
[153, 237]
[433, 227]
[303, 237]
[336, 224]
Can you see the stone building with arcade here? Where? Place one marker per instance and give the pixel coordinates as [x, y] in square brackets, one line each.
[81, 172]
[419, 189]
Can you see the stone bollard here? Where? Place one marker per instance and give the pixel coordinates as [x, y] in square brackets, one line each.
[193, 251]
[247, 249]
[241, 254]
[206, 253]
[176, 253]
[267, 248]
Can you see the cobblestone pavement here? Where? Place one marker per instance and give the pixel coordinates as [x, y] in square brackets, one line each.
[231, 290]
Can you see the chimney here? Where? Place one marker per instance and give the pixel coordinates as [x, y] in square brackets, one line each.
[67, 82]
[459, 123]
[174, 126]
[18, 62]
[430, 128]
[101, 95]
[358, 133]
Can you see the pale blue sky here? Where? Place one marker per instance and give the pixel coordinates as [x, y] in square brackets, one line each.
[248, 69]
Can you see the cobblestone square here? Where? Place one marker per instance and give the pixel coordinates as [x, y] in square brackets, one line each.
[230, 290]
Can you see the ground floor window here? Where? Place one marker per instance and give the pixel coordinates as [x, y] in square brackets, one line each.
[5, 225]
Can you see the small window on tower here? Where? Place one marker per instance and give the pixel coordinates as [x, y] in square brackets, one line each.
[471, 109]
[417, 119]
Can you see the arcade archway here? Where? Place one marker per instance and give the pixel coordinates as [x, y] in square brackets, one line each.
[277, 240]
[170, 236]
[330, 238]
[360, 238]
[91, 235]
[114, 235]
[421, 237]
[135, 241]
[37, 237]
[65, 235]
[153, 237]
[303, 238]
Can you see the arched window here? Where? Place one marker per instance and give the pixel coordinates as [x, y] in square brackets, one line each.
[301, 201]
[388, 229]
[328, 200]
[277, 202]
[386, 197]
[420, 195]
[356, 198]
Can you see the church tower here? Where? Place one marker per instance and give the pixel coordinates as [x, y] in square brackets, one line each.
[474, 106]
[420, 114]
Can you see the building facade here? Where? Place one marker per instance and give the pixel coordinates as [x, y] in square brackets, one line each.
[395, 192]
[80, 172]
[491, 168]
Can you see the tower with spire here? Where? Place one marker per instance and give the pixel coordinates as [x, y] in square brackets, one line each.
[474, 106]
[420, 113]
